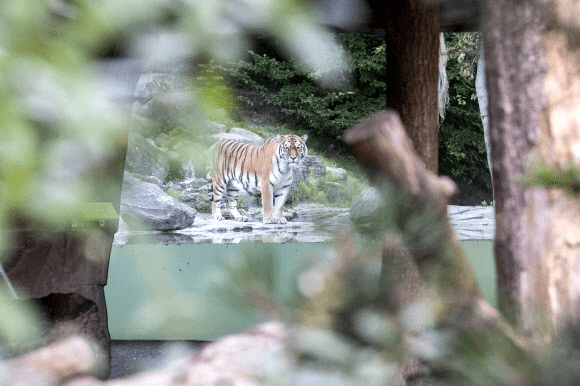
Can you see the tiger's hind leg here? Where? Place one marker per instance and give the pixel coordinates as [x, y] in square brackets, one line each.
[232, 196]
[218, 194]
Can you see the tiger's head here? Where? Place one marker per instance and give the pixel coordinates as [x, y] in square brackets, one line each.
[292, 148]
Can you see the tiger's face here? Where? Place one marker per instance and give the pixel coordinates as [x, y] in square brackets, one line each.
[292, 148]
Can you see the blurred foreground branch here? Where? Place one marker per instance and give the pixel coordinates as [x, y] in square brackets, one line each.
[54, 363]
[382, 147]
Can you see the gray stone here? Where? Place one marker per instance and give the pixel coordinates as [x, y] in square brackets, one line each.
[324, 216]
[364, 205]
[240, 135]
[309, 166]
[200, 184]
[146, 206]
[166, 107]
[152, 180]
[173, 186]
[145, 158]
[313, 165]
[215, 127]
[164, 66]
[154, 84]
[336, 174]
[299, 175]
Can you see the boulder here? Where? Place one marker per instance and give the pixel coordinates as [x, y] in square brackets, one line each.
[310, 165]
[164, 66]
[200, 184]
[313, 165]
[167, 107]
[240, 135]
[364, 205]
[300, 175]
[145, 158]
[215, 127]
[150, 179]
[154, 84]
[173, 186]
[336, 174]
[146, 206]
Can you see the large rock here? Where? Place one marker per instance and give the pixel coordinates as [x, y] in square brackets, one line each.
[164, 109]
[154, 84]
[336, 174]
[299, 175]
[313, 165]
[146, 206]
[145, 158]
[310, 165]
[240, 135]
[364, 205]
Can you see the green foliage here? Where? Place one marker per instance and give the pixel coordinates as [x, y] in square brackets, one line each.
[241, 202]
[289, 85]
[464, 48]
[175, 193]
[309, 192]
[462, 152]
[329, 191]
[567, 178]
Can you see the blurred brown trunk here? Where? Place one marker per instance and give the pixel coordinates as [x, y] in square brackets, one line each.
[412, 68]
[533, 81]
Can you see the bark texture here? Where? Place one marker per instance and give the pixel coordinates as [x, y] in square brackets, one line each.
[412, 68]
[533, 81]
[557, 278]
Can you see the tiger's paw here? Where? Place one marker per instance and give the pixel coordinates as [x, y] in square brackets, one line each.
[241, 218]
[219, 218]
[282, 220]
[270, 221]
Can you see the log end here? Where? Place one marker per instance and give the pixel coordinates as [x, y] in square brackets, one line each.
[369, 128]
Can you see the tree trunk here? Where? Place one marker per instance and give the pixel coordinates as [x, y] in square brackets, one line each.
[412, 68]
[533, 82]
[483, 101]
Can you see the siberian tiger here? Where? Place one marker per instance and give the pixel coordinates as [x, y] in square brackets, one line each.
[265, 170]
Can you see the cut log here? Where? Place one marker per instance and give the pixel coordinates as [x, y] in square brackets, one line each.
[381, 145]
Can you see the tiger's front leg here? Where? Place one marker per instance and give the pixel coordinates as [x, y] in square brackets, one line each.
[267, 200]
[279, 201]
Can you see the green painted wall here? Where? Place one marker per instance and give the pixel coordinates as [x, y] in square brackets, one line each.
[163, 291]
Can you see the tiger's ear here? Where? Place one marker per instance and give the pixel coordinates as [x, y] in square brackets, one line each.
[304, 138]
[279, 138]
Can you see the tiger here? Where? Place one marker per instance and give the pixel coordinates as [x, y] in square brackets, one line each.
[266, 169]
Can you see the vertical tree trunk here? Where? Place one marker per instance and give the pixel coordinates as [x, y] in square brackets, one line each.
[483, 101]
[412, 68]
[533, 84]
[513, 58]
